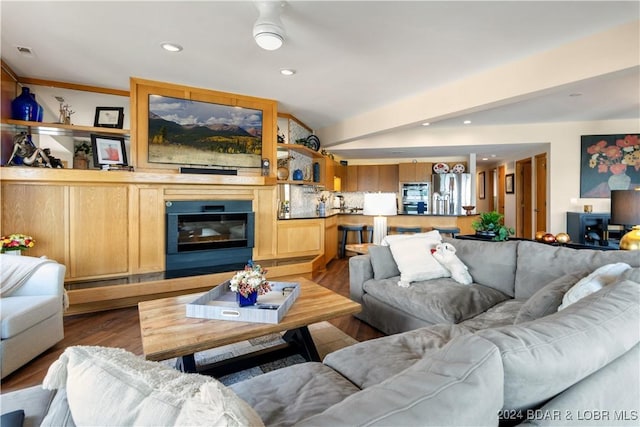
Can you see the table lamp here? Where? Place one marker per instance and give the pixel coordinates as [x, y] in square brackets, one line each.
[380, 206]
[625, 211]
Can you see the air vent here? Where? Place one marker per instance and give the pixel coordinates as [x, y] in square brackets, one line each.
[26, 51]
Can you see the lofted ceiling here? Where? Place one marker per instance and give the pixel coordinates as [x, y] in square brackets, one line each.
[350, 57]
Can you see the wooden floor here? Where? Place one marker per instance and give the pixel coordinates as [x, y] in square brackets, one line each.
[121, 328]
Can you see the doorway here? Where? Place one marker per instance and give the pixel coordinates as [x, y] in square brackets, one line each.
[524, 199]
[531, 196]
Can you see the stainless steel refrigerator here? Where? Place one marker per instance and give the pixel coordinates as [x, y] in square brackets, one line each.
[450, 192]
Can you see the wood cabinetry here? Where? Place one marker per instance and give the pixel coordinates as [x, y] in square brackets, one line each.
[414, 172]
[300, 237]
[330, 238]
[98, 239]
[372, 178]
[341, 173]
[388, 178]
[352, 179]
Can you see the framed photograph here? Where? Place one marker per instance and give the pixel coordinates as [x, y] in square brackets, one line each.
[108, 150]
[481, 182]
[608, 162]
[508, 183]
[109, 117]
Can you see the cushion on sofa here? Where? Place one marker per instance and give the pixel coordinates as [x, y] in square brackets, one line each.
[384, 266]
[538, 264]
[437, 300]
[491, 264]
[611, 394]
[19, 313]
[544, 357]
[466, 373]
[285, 396]
[547, 300]
[133, 391]
[415, 261]
[596, 280]
[631, 274]
[370, 362]
[429, 235]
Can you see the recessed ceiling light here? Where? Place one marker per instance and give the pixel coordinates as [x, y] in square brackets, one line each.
[171, 47]
[287, 72]
[485, 158]
[426, 124]
[466, 122]
[493, 155]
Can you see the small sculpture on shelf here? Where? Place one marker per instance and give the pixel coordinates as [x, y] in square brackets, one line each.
[25, 153]
[65, 112]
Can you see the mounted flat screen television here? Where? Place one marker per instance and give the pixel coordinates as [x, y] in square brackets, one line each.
[186, 132]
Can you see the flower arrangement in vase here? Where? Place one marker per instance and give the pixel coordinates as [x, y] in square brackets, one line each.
[249, 283]
[16, 242]
[615, 159]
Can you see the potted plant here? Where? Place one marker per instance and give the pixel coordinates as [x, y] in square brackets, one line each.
[82, 151]
[490, 226]
[14, 244]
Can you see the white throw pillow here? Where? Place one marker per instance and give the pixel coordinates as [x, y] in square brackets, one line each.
[431, 235]
[599, 278]
[415, 261]
[110, 386]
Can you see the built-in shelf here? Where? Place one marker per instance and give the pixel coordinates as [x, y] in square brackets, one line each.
[301, 149]
[40, 128]
[298, 182]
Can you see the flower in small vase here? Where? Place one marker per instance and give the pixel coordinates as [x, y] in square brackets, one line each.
[251, 279]
[615, 158]
[17, 242]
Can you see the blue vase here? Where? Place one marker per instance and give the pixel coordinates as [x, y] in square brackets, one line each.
[39, 111]
[298, 175]
[251, 299]
[24, 106]
[316, 172]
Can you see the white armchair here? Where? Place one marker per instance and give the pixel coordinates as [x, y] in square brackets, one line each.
[30, 316]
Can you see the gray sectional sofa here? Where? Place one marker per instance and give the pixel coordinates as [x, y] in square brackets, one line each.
[577, 366]
[505, 275]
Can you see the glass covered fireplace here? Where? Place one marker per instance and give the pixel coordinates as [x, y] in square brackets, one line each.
[209, 236]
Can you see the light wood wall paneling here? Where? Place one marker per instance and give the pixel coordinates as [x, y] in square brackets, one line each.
[265, 208]
[100, 234]
[300, 237]
[37, 210]
[147, 229]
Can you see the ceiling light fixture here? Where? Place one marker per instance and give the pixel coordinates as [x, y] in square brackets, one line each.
[466, 122]
[171, 47]
[268, 31]
[426, 124]
[287, 72]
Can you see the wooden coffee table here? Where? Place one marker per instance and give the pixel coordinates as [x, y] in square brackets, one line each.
[167, 332]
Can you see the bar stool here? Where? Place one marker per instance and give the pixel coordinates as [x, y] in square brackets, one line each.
[448, 230]
[412, 230]
[360, 229]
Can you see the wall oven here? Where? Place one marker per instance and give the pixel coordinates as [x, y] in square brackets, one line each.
[415, 197]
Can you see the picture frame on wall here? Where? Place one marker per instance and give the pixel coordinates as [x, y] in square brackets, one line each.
[608, 162]
[108, 150]
[109, 117]
[481, 185]
[509, 183]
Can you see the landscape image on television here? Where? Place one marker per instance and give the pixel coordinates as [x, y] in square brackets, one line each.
[201, 133]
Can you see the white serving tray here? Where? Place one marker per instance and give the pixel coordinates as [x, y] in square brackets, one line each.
[220, 303]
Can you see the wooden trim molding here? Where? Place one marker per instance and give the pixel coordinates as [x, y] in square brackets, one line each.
[74, 86]
[141, 89]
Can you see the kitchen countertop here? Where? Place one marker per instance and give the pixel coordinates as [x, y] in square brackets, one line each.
[333, 212]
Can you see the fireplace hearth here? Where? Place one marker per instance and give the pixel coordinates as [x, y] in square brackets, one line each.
[208, 235]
